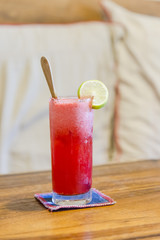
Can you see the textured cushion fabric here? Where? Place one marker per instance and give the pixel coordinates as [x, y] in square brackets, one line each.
[76, 52]
[137, 48]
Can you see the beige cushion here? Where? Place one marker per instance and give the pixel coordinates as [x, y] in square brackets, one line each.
[137, 48]
[77, 52]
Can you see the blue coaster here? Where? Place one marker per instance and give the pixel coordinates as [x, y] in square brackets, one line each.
[98, 199]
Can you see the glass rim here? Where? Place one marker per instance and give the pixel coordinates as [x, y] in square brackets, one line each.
[71, 98]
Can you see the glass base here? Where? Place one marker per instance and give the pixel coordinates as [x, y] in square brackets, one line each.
[80, 199]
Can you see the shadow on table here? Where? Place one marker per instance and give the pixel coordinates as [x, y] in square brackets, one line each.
[31, 205]
[24, 205]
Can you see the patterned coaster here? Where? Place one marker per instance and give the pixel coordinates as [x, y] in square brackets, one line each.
[98, 199]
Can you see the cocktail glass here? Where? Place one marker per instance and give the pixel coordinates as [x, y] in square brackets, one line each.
[71, 130]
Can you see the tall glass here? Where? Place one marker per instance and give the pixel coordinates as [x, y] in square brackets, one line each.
[71, 129]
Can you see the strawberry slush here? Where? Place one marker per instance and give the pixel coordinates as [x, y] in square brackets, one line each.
[71, 130]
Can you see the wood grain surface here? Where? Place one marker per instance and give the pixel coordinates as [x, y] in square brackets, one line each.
[65, 11]
[136, 215]
[49, 11]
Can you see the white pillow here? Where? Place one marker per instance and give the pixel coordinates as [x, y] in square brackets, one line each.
[137, 48]
[76, 52]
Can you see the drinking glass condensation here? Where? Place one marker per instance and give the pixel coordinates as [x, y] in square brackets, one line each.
[71, 130]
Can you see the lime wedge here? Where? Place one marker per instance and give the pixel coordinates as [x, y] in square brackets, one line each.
[95, 89]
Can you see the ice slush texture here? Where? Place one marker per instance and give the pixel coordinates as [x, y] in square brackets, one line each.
[71, 129]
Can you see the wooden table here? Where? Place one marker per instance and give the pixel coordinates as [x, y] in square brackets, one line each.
[136, 215]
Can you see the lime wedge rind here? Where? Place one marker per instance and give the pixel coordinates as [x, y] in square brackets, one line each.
[95, 89]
